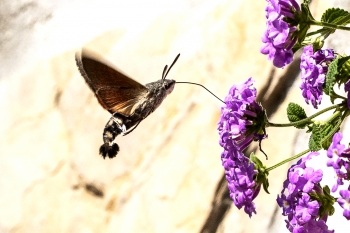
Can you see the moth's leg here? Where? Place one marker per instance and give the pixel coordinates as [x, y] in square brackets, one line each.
[112, 129]
[126, 133]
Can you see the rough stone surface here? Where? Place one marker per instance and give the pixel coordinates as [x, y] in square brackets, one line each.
[163, 180]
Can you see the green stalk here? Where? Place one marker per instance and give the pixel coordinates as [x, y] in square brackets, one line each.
[334, 130]
[329, 25]
[331, 118]
[287, 160]
[303, 121]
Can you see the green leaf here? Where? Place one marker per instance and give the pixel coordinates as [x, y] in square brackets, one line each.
[327, 201]
[330, 78]
[303, 24]
[296, 113]
[258, 164]
[344, 69]
[326, 129]
[315, 138]
[336, 16]
[338, 71]
[316, 38]
[262, 176]
[266, 186]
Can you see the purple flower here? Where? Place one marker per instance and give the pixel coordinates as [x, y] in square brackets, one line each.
[242, 119]
[306, 209]
[278, 38]
[239, 125]
[301, 177]
[311, 177]
[286, 203]
[296, 198]
[338, 156]
[344, 202]
[313, 73]
[318, 226]
[240, 174]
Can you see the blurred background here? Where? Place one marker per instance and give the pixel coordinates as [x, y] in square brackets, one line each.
[168, 175]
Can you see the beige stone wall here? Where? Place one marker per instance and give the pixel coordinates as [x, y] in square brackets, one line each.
[164, 179]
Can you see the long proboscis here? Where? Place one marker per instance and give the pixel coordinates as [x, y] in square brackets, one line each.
[205, 89]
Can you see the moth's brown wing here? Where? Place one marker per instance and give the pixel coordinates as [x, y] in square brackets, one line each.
[115, 91]
[124, 103]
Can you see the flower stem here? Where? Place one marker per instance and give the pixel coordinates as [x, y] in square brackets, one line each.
[329, 25]
[287, 160]
[334, 130]
[303, 121]
[335, 115]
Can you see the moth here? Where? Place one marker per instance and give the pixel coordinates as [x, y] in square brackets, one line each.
[127, 100]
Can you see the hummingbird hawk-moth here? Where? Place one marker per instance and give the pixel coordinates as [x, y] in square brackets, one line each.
[128, 101]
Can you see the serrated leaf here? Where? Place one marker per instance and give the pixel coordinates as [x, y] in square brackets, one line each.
[343, 60]
[296, 113]
[344, 70]
[336, 16]
[330, 78]
[315, 138]
[309, 129]
[326, 129]
[295, 110]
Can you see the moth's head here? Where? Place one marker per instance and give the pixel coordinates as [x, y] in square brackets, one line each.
[168, 85]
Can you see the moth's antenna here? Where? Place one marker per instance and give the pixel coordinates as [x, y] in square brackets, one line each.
[167, 70]
[204, 88]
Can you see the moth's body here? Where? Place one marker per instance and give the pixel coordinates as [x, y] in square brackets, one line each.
[128, 101]
[119, 124]
[157, 91]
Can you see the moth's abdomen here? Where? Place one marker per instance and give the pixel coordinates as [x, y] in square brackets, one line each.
[109, 149]
[110, 132]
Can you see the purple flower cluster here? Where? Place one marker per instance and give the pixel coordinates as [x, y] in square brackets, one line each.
[238, 127]
[240, 178]
[240, 119]
[300, 209]
[278, 38]
[339, 159]
[339, 156]
[313, 73]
